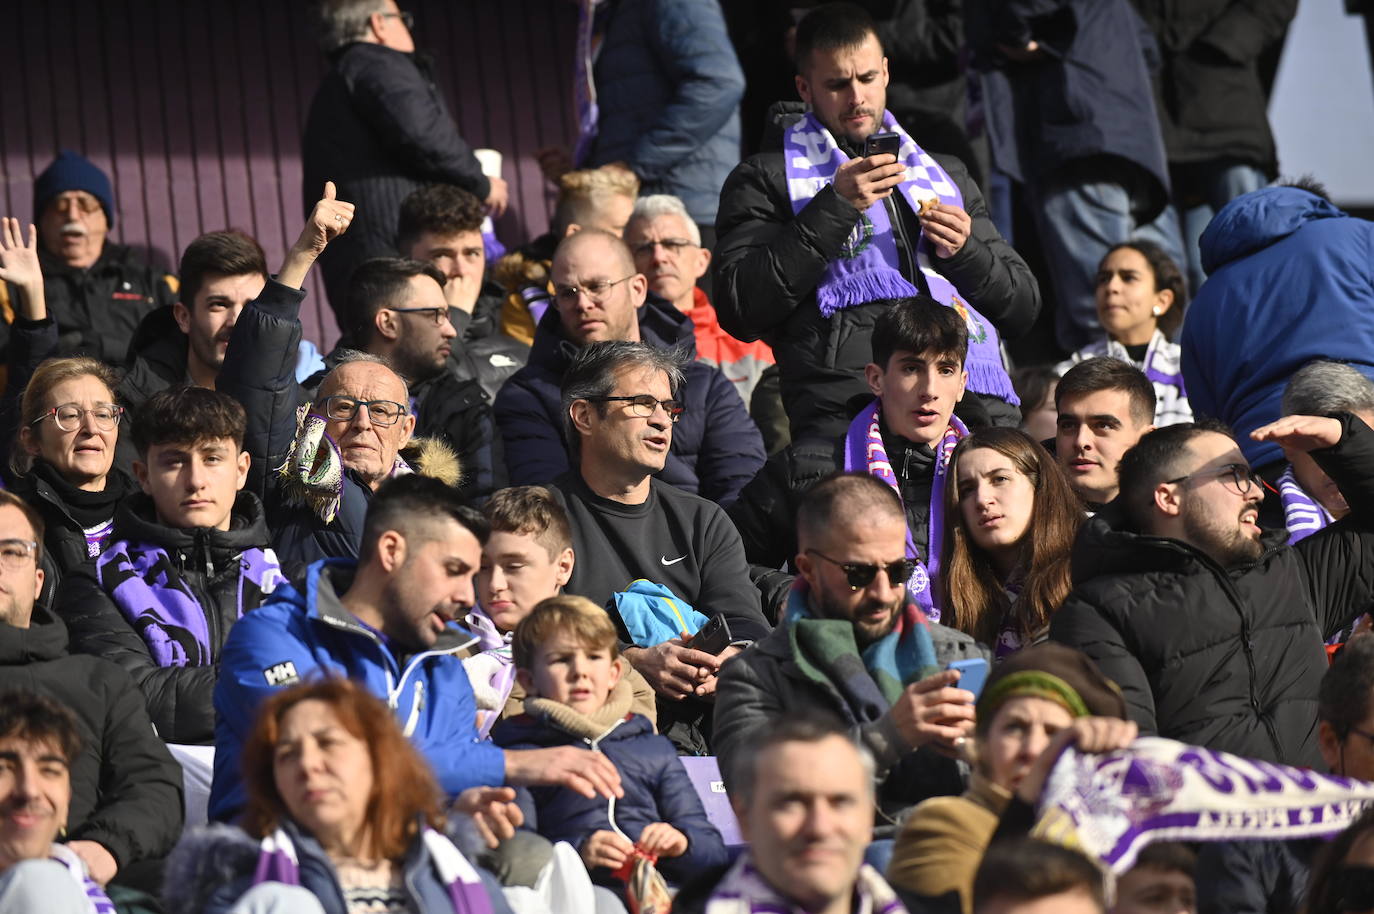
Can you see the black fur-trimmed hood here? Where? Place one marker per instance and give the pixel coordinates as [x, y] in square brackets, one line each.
[205, 859]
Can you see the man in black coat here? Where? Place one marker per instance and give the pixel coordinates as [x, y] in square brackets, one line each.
[1213, 629]
[378, 126]
[771, 261]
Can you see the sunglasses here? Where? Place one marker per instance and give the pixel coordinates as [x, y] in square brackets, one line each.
[860, 575]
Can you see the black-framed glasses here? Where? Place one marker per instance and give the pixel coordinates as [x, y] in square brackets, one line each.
[1242, 479]
[407, 17]
[673, 246]
[595, 289]
[860, 574]
[15, 555]
[643, 405]
[69, 416]
[437, 315]
[379, 412]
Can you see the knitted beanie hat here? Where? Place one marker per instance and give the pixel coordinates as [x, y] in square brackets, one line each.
[1056, 673]
[72, 171]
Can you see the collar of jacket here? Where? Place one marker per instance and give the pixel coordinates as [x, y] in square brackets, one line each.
[136, 522]
[592, 727]
[328, 578]
[112, 258]
[660, 325]
[159, 343]
[45, 639]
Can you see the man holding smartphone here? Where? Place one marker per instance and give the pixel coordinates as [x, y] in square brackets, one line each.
[817, 237]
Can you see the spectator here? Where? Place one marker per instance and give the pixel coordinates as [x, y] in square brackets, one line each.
[1035, 386]
[97, 291]
[342, 812]
[1161, 882]
[1212, 103]
[1071, 117]
[380, 126]
[384, 623]
[126, 790]
[442, 225]
[396, 312]
[805, 783]
[627, 524]
[567, 661]
[593, 198]
[1180, 579]
[1311, 501]
[715, 450]
[1012, 521]
[1030, 876]
[187, 558]
[1340, 880]
[40, 741]
[854, 643]
[1104, 406]
[814, 241]
[1140, 299]
[1027, 700]
[1271, 255]
[904, 437]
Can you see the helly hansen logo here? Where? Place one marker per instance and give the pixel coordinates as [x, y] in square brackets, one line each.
[281, 674]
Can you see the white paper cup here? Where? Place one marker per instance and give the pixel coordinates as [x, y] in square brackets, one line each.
[490, 160]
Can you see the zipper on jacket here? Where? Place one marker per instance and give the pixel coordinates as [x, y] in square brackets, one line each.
[904, 246]
[1246, 644]
[416, 706]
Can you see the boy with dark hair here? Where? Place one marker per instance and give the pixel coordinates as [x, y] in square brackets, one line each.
[903, 436]
[568, 662]
[1028, 876]
[1161, 882]
[1104, 405]
[186, 559]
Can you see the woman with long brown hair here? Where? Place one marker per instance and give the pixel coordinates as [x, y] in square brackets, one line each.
[1011, 519]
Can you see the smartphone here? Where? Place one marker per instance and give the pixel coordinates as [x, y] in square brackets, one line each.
[878, 143]
[973, 673]
[713, 637]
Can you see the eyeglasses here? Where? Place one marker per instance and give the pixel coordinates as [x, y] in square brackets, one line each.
[438, 315]
[860, 575]
[1242, 479]
[643, 405]
[673, 246]
[595, 290]
[379, 412]
[407, 18]
[15, 555]
[68, 416]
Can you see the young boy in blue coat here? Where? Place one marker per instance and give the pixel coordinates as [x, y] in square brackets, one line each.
[567, 661]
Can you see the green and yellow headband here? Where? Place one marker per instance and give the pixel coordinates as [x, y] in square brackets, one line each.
[1032, 684]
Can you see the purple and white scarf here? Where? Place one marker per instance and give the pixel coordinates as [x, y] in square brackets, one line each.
[152, 595]
[491, 672]
[743, 890]
[1111, 805]
[99, 902]
[865, 452]
[1302, 514]
[869, 267]
[277, 862]
[584, 80]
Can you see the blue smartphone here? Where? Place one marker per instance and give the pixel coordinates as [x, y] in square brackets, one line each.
[972, 674]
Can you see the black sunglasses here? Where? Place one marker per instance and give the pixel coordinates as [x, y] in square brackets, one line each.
[860, 575]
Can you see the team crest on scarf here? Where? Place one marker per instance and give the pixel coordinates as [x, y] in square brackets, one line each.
[859, 239]
[977, 330]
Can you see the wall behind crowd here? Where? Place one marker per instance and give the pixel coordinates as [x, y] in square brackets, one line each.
[196, 109]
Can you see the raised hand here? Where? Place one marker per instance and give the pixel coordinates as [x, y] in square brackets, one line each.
[1088, 734]
[328, 220]
[19, 265]
[1301, 433]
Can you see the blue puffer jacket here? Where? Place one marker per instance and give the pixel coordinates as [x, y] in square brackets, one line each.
[656, 786]
[716, 448]
[669, 87]
[299, 634]
[1291, 279]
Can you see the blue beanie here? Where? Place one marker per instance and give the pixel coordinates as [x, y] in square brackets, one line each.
[72, 171]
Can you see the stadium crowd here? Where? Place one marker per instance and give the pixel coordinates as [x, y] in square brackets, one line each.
[709, 553]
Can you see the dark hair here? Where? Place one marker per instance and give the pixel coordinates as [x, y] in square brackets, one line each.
[227, 253]
[530, 511]
[440, 209]
[1324, 888]
[1167, 856]
[971, 592]
[918, 325]
[832, 27]
[1028, 869]
[187, 415]
[1153, 459]
[1308, 183]
[810, 725]
[842, 497]
[593, 369]
[37, 718]
[1167, 276]
[1031, 383]
[1343, 699]
[405, 503]
[382, 282]
[404, 796]
[1103, 373]
[31, 515]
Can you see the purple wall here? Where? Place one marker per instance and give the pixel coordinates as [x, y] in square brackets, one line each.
[195, 109]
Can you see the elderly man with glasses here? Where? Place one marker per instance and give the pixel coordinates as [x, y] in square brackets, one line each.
[599, 296]
[1214, 628]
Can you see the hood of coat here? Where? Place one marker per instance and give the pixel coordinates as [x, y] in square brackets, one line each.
[45, 639]
[161, 346]
[136, 522]
[205, 859]
[1256, 220]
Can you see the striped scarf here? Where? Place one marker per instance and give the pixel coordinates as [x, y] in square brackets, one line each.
[1302, 515]
[745, 891]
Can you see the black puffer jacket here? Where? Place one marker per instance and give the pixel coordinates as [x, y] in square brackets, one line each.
[1229, 660]
[209, 565]
[156, 362]
[768, 263]
[126, 787]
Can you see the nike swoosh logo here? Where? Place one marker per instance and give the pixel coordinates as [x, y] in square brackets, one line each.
[664, 559]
